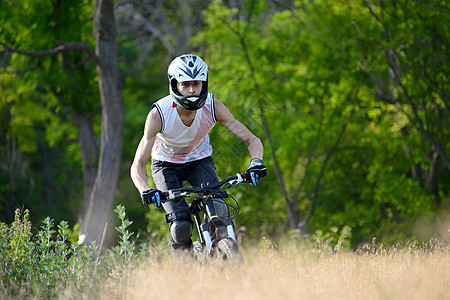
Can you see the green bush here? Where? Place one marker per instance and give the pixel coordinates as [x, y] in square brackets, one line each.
[45, 264]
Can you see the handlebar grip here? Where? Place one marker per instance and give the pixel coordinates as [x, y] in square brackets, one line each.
[246, 176]
[164, 195]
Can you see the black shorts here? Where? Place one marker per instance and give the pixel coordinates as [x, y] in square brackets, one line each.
[167, 175]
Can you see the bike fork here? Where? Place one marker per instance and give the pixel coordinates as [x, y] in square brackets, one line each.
[208, 241]
[231, 233]
[206, 237]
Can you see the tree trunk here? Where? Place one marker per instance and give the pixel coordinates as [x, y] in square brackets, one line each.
[89, 153]
[102, 197]
[432, 177]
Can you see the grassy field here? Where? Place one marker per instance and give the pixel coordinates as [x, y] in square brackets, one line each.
[44, 265]
[268, 274]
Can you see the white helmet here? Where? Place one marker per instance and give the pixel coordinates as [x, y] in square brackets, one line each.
[188, 68]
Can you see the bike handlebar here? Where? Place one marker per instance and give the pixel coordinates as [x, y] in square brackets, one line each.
[210, 189]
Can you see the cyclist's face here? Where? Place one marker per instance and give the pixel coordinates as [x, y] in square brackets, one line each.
[190, 88]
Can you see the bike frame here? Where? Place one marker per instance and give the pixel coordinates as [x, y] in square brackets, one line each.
[212, 228]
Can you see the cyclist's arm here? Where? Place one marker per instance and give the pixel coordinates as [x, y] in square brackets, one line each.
[224, 116]
[143, 152]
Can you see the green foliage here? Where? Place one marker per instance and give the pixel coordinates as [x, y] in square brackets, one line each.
[44, 265]
[321, 243]
[335, 116]
[125, 257]
[41, 97]
[334, 240]
[353, 93]
[125, 249]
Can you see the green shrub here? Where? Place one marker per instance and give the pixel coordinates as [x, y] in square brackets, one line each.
[45, 264]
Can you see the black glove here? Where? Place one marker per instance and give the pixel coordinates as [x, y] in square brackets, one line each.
[151, 196]
[257, 170]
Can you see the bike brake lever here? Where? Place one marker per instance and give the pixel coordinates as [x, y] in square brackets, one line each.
[238, 180]
[173, 195]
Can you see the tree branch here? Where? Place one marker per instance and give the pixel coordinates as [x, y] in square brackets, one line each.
[290, 205]
[391, 56]
[64, 47]
[130, 12]
[438, 8]
[315, 193]
[312, 150]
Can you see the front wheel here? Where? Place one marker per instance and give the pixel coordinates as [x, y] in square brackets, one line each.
[228, 250]
[198, 251]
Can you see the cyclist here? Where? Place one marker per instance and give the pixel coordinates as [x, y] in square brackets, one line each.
[176, 138]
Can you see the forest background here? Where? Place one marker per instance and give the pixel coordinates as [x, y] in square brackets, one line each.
[350, 99]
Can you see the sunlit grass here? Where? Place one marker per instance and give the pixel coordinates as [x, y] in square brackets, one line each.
[43, 266]
[410, 272]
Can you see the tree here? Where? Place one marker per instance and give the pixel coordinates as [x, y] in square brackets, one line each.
[101, 198]
[415, 48]
[341, 148]
[51, 90]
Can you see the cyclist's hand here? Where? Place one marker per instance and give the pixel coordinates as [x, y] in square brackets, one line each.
[257, 170]
[151, 196]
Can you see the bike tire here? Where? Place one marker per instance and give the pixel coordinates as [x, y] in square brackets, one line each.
[198, 251]
[229, 251]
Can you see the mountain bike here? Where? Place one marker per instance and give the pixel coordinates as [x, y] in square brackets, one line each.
[217, 232]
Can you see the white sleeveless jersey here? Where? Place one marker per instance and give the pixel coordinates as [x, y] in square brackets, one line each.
[179, 143]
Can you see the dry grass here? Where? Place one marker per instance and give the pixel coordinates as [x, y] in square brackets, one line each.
[294, 274]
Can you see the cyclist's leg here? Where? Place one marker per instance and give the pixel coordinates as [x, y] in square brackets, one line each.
[170, 176]
[204, 172]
